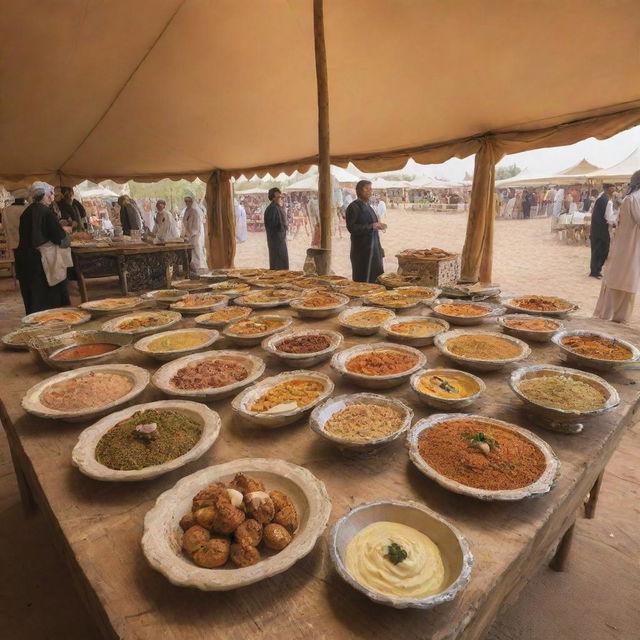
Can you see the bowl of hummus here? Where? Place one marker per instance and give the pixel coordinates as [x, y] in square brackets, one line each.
[400, 554]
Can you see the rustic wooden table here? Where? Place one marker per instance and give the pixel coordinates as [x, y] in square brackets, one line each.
[138, 266]
[97, 526]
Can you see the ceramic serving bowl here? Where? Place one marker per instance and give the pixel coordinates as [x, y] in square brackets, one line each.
[191, 286]
[323, 413]
[528, 334]
[381, 299]
[426, 294]
[209, 336]
[465, 320]
[216, 275]
[169, 319]
[567, 307]
[164, 297]
[48, 347]
[563, 420]
[413, 341]
[345, 320]
[207, 319]
[476, 363]
[537, 488]
[241, 403]
[284, 297]
[213, 302]
[454, 549]
[161, 542]
[358, 289]
[599, 364]
[250, 340]
[19, 339]
[448, 404]
[298, 305]
[162, 378]
[109, 306]
[341, 358]
[303, 360]
[83, 455]
[32, 404]
[39, 318]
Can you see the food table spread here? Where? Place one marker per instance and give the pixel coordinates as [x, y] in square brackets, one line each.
[98, 526]
[138, 266]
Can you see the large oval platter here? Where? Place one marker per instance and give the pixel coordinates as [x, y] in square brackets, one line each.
[169, 319]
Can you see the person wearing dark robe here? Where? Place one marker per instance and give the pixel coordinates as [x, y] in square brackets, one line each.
[600, 238]
[275, 224]
[130, 218]
[39, 225]
[364, 227]
[72, 213]
[526, 204]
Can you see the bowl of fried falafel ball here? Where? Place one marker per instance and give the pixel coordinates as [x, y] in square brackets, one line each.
[234, 524]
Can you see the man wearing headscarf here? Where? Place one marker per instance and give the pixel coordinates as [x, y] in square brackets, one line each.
[130, 217]
[241, 221]
[39, 226]
[363, 225]
[166, 224]
[193, 229]
[72, 211]
[275, 224]
[11, 217]
[600, 238]
[621, 279]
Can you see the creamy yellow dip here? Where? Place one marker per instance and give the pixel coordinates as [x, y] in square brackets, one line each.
[421, 574]
[177, 341]
[448, 385]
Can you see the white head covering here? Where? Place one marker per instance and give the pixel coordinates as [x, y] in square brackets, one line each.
[40, 188]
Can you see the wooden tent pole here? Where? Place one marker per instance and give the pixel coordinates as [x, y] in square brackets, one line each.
[324, 162]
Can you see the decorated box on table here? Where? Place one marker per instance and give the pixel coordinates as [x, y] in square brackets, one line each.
[431, 266]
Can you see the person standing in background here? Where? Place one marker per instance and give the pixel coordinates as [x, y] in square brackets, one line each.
[600, 237]
[72, 210]
[381, 208]
[129, 216]
[622, 271]
[166, 226]
[364, 226]
[11, 217]
[275, 224]
[241, 221]
[193, 227]
[526, 204]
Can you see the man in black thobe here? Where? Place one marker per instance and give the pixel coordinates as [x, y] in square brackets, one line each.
[600, 231]
[130, 219]
[72, 213]
[363, 225]
[275, 224]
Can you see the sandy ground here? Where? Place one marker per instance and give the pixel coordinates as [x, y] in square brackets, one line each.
[596, 599]
[527, 257]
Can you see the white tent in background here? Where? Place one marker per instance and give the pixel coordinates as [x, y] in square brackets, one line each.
[619, 172]
[383, 183]
[252, 191]
[580, 172]
[427, 182]
[88, 189]
[310, 181]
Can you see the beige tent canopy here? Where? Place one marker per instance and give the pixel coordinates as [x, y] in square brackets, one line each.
[574, 174]
[619, 172]
[146, 90]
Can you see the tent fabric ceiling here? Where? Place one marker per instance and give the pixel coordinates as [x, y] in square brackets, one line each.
[177, 88]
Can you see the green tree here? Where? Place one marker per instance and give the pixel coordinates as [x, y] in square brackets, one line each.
[507, 172]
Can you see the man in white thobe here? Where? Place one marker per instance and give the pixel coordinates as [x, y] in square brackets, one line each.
[381, 209]
[11, 217]
[193, 231]
[241, 221]
[166, 225]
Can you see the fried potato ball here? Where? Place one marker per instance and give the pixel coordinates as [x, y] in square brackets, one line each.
[227, 518]
[205, 516]
[213, 553]
[250, 532]
[244, 555]
[288, 518]
[194, 537]
[259, 506]
[207, 497]
[280, 500]
[276, 536]
[246, 484]
[187, 521]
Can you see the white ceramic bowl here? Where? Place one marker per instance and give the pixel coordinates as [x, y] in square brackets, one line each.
[339, 363]
[560, 419]
[35, 319]
[477, 363]
[191, 286]
[204, 320]
[510, 304]
[429, 293]
[249, 300]
[304, 360]
[163, 376]
[413, 341]
[537, 488]
[83, 455]
[113, 325]
[31, 400]
[448, 404]
[599, 364]
[378, 300]
[29, 332]
[98, 308]
[162, 534]
[142, 346]
[356, 291]
[241, 403]
[319, 312]
[166, 300]
[323, 413]
[528, 334]
[454, 549]
[217, 301]
[255, 338]
[492, 311]
[344, 319]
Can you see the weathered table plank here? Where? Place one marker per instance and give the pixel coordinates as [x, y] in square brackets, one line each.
[100, 524]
